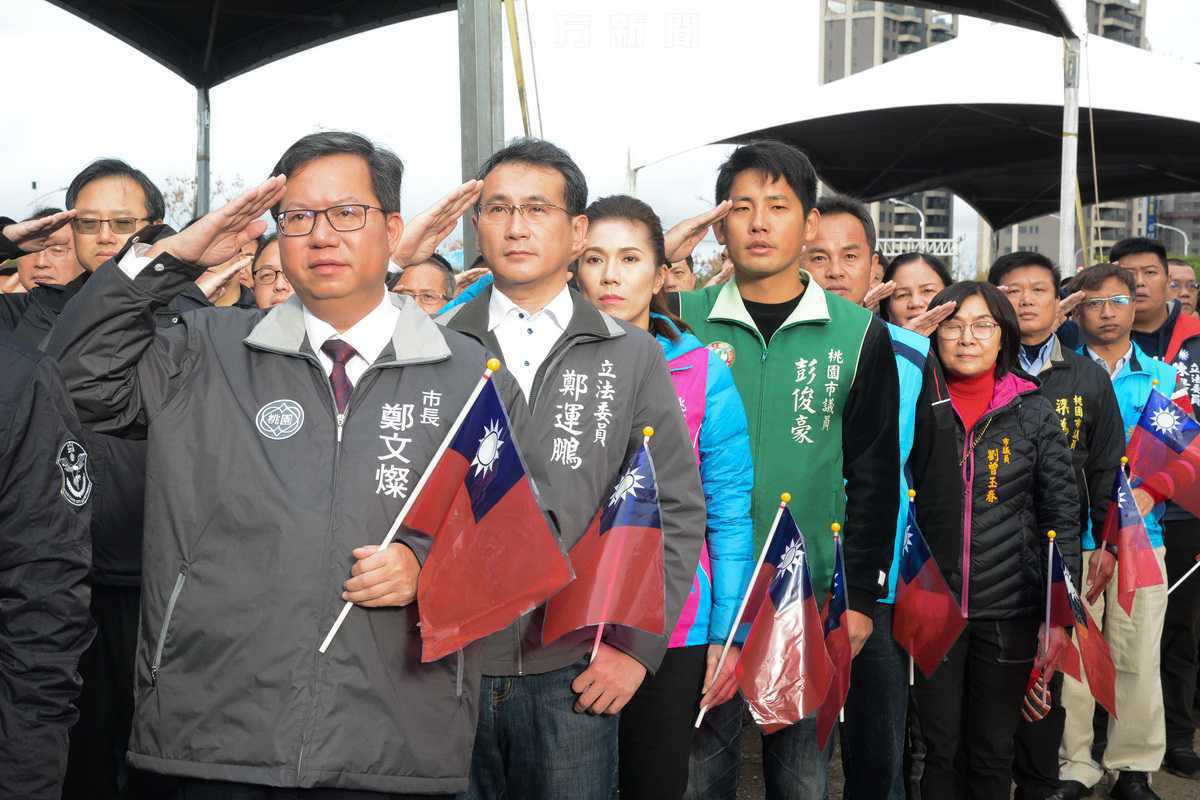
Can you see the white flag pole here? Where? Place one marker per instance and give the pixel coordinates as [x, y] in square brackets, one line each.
[1186, 575]
[784, 499]
[1049, 583]
[492, 366]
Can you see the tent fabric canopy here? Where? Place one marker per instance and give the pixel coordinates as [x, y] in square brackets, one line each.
[207, 43]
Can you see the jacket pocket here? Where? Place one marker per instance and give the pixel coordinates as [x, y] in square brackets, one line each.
[166, 624]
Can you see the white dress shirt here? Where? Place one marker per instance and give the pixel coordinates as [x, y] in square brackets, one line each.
[526, 339]
[1120, 365]
[368, 337]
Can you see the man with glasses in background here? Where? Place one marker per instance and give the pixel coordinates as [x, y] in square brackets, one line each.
[1183, 285]
[430, 283]
[271, 286]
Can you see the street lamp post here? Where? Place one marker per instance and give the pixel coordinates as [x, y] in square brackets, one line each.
[920, 214]
[1180, 232]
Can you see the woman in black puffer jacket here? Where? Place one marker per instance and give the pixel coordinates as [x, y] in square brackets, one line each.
[993, 474]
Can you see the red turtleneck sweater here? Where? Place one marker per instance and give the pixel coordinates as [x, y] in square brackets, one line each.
[971, 396]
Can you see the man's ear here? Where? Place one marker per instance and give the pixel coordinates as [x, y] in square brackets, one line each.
[395, 229]
[718, 230]
[812, 223]
[579, 229]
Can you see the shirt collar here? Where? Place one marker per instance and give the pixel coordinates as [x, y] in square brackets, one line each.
[559, 310]
[1036, 365]
[1122, 362]
[369, 336]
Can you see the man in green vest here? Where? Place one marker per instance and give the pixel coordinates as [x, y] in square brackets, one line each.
[818, 378]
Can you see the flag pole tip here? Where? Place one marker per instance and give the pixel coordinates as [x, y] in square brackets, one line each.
[1124, 460]
[647, 431]
[493, 364]
[836, 528]
[1051, 535]
[1154, 382]
[786, 497]
[912, 494]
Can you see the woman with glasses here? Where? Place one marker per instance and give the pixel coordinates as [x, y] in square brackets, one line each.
[622, 271]
[271, 286]
[987, 530]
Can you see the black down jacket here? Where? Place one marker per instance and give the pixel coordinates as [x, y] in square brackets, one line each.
[1015, 469]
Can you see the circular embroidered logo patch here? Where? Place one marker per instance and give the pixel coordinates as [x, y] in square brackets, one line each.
[76, 482]
[279, 419]
[724, 351]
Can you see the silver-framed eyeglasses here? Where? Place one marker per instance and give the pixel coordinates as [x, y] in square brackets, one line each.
[1096, 304]
[533, 213]
[426, 296]
[343, 219]
[981, 329]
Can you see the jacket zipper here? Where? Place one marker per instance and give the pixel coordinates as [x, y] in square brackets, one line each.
[166, 624]
[968, 475]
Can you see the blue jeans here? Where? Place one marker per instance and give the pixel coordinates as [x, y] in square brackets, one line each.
[876, 711]
[793, 767]
[531, 745]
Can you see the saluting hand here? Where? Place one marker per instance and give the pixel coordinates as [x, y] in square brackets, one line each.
[878, 294]
[927, 322]
[31, 236]
[219, 235]
[1065, 307]
[427, 230]
[683, 237]
[385, 577]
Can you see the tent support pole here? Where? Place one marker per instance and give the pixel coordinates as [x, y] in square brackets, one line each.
[203, 125]
[1070, 156]
[481, 93]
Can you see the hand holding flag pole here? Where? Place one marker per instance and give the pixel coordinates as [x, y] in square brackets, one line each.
[784, 499]
[647, 432]
[493, 365]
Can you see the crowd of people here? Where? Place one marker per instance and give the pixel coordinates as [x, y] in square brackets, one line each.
[195, 476]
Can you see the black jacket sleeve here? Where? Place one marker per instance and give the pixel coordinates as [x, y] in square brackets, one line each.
[8, 249]
[1105, 448]
[871, 467]
[45, 553]
[1056, 499]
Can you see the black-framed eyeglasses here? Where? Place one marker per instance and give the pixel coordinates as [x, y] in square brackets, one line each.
[501, 213]
[120, 225]
[1096, 304]
[981, 329]
[267, 276]
[343, 219]
[426, 296]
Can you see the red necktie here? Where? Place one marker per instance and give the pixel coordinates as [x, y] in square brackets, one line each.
[340, 352]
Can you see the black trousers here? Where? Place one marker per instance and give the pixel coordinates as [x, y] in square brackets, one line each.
[1035, 760]
[656, 727]
[96, 768]
[1180, 627]
[190, 789]
[967, 713]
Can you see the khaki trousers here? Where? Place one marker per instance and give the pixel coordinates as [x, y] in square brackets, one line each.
[1137, 740]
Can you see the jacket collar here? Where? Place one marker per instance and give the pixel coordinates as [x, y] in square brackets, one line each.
[472, 318]
[416, 339]
[812, 307]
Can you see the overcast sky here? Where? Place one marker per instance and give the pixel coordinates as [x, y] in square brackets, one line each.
[610, 75]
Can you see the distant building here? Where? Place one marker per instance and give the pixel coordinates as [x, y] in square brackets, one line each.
[1109, 222]
[859, 34]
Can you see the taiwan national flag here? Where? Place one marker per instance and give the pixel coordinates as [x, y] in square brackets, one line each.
[926, 620]
[1137, 566]
[494, 556]
[1067, 609]
[784, 670]
[618, 562]
[1164, 452]
[837, 643]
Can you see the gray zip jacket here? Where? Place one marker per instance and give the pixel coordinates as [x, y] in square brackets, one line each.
[601, 384]
[256, 494]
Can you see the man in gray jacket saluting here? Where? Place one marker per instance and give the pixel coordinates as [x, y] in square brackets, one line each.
[280, 445]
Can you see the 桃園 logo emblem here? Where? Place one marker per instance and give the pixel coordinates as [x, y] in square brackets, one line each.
[279, 419]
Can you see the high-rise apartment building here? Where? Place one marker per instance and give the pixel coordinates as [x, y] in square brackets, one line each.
[1108, 222]
[860, 34]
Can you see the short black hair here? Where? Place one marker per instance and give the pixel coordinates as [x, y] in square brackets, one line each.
[156, 207]
[1022, 258]
[1135, 245]
[774, 159]
[386, 168]
[690, 261]
[1092, 278]
[263, 241]
[1001, 310]
[842, 204]
[540, 153]
[443, 266]
[42, 213]
[933, 262]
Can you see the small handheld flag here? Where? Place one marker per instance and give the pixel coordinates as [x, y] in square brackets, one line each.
[1164, 452]
[1067, 609]
[784, 671]
[618, 561]
[1137, 566]
[927, 619]
[837, 643]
